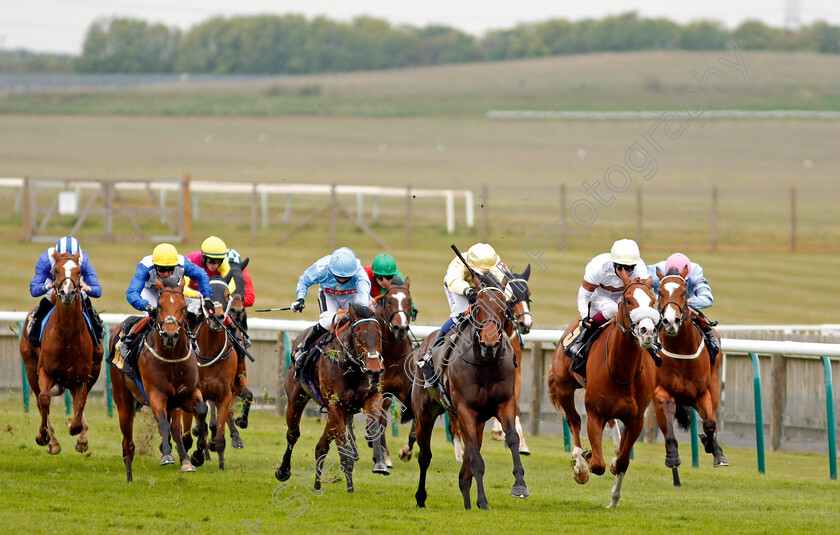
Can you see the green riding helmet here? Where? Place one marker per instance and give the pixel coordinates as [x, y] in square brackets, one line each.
[384, 265]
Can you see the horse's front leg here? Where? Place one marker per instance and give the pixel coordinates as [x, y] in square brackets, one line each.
[297, 402]
[45, 436]
[219, 440]
[235, 440]
[158, 400]
[75, 424]
[666, 408]
[376, 420]
[507, 414]
[408, 449]
[595, 429]
[197, 406]
[707, 414]
[632, 430]
[178, 427]
[82, 441]
[472, 455]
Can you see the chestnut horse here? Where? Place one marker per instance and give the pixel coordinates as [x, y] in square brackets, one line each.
[68, 357]
[216, 368]
[393, 311]
[479, 378]
[169, 375]
[620, 376]
[345, 380]
[687, 378]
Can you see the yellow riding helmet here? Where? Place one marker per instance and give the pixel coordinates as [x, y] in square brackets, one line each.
[214, 247]
[165, 254]
[482, 256]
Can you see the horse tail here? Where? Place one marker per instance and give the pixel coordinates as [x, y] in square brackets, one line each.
[683, 417]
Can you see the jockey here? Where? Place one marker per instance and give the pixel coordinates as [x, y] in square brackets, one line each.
[459, 287]
[212, 258]
[142, 293]
[342, 281]
[234, 260]
[698, 294]
[380, 273]
[42, 283]
[601, 290]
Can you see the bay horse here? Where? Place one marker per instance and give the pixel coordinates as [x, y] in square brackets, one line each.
[68, 357]
[217, 366]
[687, 378]
[620, 376]
[479, 379]
[346, 379]
[239, 317]
[393, 312]
[169, 375]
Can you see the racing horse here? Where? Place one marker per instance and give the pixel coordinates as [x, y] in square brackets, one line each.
[479, 379]
[69, 358]
[346, 379]
[237, 301]
[620, 376]
[168, 380]
[216, 370]
[686, 378]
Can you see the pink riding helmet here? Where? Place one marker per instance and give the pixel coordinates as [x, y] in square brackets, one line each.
[677, 261]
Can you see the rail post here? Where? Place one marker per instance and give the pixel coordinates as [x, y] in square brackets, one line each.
[759, 418]
[695, 447]
[829, 409]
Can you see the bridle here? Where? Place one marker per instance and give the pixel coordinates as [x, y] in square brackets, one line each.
[169, 320]
[359, 362]
[525, 299]
[662, 306]
[508, 313]
[632, 327]
[57, 285]
[381, 299]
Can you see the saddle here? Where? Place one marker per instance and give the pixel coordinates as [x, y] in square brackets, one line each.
[128, 363]
[579, 367]
[31, 322]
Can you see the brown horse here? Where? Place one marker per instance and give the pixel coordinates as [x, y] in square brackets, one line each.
[217, 365]
[687, 378]
[345, 380]
[237, 314]
[479, 379]
[620, 377]
[393, 311]
[169, 375]
[68, 357]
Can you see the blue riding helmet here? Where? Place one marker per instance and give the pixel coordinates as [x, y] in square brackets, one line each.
[343, 262]
[67, 245]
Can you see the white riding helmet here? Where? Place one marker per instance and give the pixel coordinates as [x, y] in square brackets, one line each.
[625, 252]
[482, 256]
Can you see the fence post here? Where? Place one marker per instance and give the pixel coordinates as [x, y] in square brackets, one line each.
[829, 409]
[714, 218]
[695, 447]
[408, 215]
[779, 399]
[536, 387]
[793, 219]
[450, 212]
[759, 418]
[264, 208]
[567, 435]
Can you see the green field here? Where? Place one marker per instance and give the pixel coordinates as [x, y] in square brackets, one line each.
[88, 492]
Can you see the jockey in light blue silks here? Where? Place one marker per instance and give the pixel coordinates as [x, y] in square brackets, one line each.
[42, 283]
[342, 280]
[698, 294]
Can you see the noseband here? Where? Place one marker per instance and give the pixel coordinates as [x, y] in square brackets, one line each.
[60, 283]
[169, 320]
[632, 326]
[359, 362]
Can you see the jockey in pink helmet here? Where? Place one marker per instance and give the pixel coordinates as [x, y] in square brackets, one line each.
[698, 294]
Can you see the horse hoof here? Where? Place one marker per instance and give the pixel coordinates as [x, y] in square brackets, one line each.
[388, 462]
[241, 422]
[237, 444]
[673, 462]
[380, 468]
[581, 477]
[497, 435]
[282, 475]
[721, 462]
[221, 465]
[211, 446]
[42, 441]
[187, 467]
[350, 490]
[187, 441]
[612, 466]
[195, 430]
[197, 458]
[166, 459]
[53, 450]
[81, 447]
[405, 454]
[520, 492]
[523, 450]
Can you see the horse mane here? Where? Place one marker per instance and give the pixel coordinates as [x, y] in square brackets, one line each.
[362, 311]
[396, 281]
[488, 279]
[170, 281]
[672, 271]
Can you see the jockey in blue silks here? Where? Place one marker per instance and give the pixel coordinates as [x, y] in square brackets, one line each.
[342, 281]
[42, 283]
[698, 294]
[142, 293]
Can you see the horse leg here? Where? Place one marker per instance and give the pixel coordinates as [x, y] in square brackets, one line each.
[45, 436]
[294, 410]
[631, 434]
[211, 405]
[79, 394]
[498, 431]
[376, 421]
[383, 422]
[595, 430]
[177, 430]
[125, 403]
[666, 410]
[197, 405]
[158, 403]
[467, 421]
[82, 441]
[186, 425]
[224, 415]
[322, 448]
[507, 413]
[423, 424]
[235, 440]
[615, 434]
[457, 441]
[704, 406]
[407, 449]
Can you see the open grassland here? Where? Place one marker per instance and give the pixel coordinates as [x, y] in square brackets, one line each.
[87, 493]
[608, 81]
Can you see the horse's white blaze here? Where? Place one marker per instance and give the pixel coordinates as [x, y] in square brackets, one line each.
[671, 286]
[400, 297]
[526, 315]
[67, 286]
[171, 299]
[642, 298]
[670, 314]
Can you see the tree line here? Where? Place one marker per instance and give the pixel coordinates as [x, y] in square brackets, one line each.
[293, 44]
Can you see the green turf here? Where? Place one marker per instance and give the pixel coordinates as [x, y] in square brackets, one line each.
[88, 493]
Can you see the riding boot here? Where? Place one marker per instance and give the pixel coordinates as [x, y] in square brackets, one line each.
[426, 364]
[37, 318]
[95, 321]
[302, 353]
[193, 320]
[575, 350]
[654, 349]
[712, 343]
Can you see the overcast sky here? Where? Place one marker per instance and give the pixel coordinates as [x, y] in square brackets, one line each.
[60, 25]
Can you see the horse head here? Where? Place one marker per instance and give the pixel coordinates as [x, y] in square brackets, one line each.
[221, 303]
[521, 304]
[67, 277]
[394, 308]
[635, 313]
[673, 300]
[366, 340]
[489, 314]
[236, 300]
[171, 308]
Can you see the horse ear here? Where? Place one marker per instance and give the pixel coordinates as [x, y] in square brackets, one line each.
[158, 282]
[77, 255]
[407, 283]
[527, 272]
[244, 263]
[182, 283]
[649, 282]
[659, 274]
[352, 310]
[56, 255]
[623, 276]
[684, 272]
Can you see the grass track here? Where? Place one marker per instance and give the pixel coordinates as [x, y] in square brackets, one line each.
[88, 493]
